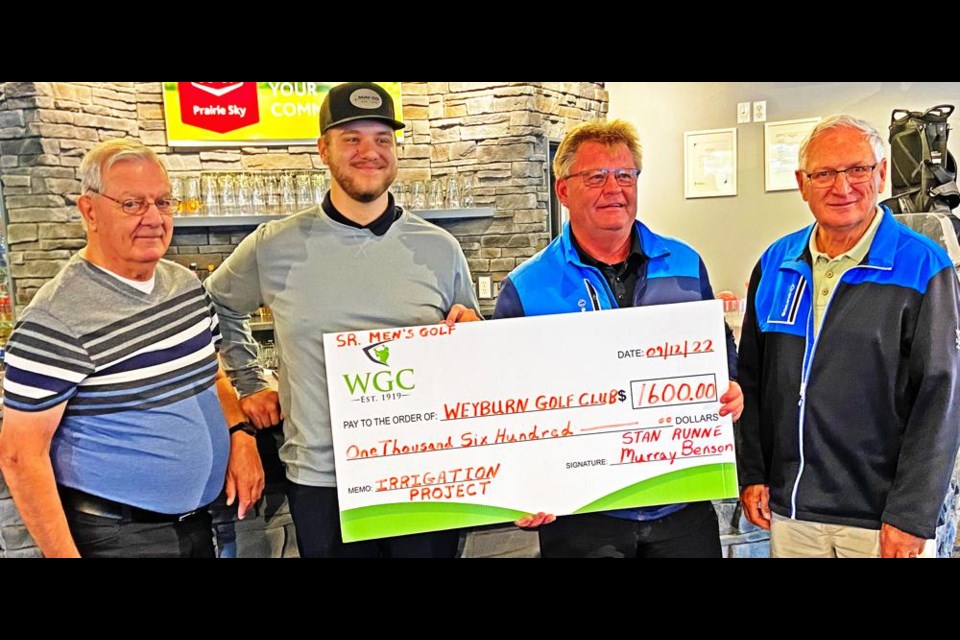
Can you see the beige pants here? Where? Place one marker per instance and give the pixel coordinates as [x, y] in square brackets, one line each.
[802, 539]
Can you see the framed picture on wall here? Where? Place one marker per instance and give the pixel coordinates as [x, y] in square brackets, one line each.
[781, 144]
[710, 163]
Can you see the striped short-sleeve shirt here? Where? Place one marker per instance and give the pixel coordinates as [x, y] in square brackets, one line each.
[143, 423]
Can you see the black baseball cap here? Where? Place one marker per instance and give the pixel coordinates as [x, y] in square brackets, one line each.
[357, 101]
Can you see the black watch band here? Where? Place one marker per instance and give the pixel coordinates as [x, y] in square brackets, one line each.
[244, 426]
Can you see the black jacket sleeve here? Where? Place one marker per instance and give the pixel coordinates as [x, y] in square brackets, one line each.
[931, 435]
[752, 456]
[508, 302]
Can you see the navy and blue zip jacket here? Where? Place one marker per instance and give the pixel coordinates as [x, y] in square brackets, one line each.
[859, 426]
[557, 281]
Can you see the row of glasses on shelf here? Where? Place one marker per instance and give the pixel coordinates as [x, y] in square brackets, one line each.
[234, 193]
[230, 193]
[454, 191]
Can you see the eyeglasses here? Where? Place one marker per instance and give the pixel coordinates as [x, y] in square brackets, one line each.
[166, 206]
[598, 177]
[827, 177]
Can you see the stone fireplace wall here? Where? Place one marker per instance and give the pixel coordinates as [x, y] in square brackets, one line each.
[497, 130]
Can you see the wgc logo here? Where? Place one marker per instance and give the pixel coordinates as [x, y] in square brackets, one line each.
[382, 380]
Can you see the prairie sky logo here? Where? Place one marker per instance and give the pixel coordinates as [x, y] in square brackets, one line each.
[220, 107]
[213, 89]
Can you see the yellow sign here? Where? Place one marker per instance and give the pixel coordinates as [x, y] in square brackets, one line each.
[206, 114]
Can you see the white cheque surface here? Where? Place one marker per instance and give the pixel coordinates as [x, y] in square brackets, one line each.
[437, 428]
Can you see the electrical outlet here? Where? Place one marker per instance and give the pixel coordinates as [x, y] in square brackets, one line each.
[743, 112]
[760, 111]
[485, 287]
[496, 289]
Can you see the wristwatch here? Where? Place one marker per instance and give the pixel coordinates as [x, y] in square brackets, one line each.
[244, 426]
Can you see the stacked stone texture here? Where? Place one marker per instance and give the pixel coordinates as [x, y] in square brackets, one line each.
[496, 130]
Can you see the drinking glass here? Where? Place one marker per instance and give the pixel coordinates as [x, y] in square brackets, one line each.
[453, 192]
[434, 194]
[228, 194]
[466, 190]
[209, 200]
[304, 191]
[418, 197]
[399, 190]
[244, 194]
[258, 193]
[272, 183]
[190, 201]
[288, 194]
[176, 191]
[319, 181]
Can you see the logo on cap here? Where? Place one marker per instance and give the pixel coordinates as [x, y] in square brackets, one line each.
[366, 99]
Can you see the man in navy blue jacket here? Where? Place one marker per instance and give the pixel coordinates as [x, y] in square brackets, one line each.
[606, 259]
[849, 361]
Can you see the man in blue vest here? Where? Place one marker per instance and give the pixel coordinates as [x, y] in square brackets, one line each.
[606, 259]
[849, 361]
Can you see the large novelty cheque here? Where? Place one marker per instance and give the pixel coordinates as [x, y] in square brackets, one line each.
[437, 427]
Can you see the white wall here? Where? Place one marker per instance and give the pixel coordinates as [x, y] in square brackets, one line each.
[730, 233]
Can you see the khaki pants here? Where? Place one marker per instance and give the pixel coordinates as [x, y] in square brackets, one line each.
[802, 539]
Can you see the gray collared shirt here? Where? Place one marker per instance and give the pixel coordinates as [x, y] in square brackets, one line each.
[827, 271]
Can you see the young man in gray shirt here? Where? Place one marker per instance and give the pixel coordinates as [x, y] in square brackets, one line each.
[356, 262]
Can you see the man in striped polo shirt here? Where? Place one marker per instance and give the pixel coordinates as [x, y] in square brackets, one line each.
[115, 431]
